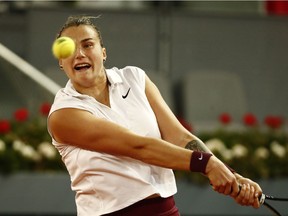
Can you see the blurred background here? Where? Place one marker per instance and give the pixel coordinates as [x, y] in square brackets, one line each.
[220, 65]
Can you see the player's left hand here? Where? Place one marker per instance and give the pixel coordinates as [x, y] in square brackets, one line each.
[249, 193]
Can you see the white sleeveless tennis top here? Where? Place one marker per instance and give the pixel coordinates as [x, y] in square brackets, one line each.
[105, 183]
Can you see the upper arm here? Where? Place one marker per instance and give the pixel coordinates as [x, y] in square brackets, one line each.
[170, 128]
[81, 128]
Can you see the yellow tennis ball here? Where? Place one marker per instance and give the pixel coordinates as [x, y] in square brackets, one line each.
[63, 47]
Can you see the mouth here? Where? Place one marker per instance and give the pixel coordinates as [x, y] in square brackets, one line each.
[82, 67]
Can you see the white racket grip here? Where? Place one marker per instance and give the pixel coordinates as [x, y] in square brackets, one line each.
[262, 199]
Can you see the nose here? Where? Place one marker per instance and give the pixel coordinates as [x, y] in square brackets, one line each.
[79, 52]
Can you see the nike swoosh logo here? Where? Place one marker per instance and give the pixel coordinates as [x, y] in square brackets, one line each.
[125, 96]
[201, 157]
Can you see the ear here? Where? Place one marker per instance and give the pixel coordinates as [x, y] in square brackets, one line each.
[60, 64]
[104, 54]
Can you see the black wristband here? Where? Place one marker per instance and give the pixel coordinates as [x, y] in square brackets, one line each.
[199, 161]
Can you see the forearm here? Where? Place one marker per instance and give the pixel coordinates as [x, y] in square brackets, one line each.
[161, 153]
[197, 145]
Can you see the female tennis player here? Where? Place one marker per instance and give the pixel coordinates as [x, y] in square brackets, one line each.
[120, 141]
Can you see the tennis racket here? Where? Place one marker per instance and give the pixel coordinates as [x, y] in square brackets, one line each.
[264, 197]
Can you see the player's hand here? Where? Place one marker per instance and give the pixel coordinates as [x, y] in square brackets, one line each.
[249, 192]
[221, 178]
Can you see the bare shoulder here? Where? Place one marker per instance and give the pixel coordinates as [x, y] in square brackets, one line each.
[66, 116]
[66, 124]
[151, 89]
[81, 128]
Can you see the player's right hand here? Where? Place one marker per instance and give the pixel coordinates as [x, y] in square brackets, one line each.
[221, 178]
[249, 192]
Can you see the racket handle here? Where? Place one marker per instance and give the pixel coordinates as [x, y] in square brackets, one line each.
[262, 198]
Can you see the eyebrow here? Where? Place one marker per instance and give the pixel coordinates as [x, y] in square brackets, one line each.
[86, 39]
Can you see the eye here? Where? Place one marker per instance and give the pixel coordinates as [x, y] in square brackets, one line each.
[88, 45]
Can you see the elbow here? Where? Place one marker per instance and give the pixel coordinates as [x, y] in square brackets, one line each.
[143, 151]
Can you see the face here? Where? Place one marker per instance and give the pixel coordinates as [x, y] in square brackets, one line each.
[85, 67]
